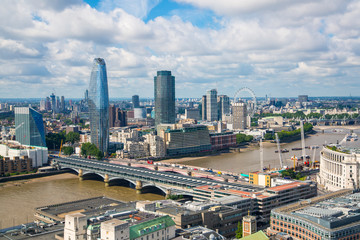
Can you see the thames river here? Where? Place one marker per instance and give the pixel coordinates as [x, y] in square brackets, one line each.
[18, 199]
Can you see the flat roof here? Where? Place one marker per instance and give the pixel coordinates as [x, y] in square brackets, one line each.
[90, 207]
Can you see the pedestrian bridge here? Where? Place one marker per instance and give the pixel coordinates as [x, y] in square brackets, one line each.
[167, 182]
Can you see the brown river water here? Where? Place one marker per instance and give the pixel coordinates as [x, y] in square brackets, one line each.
[18, 199]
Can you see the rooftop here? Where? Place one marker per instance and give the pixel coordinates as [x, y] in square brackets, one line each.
[89, 207]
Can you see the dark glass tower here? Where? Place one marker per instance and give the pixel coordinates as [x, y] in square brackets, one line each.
[99, 105]
[29, 127]
[135, 101]
[164, 93]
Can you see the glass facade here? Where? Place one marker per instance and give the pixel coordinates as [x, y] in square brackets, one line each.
[99, 105]
[211, 105]
[29, 127]
[164, 93]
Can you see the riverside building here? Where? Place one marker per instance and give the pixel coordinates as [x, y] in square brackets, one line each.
[339, 168]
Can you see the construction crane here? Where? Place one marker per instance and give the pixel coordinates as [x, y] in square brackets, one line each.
[303, 151]
[60, 147]
[261, 156]
[279, 151]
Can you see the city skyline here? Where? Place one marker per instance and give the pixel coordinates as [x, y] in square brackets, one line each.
[205, 44]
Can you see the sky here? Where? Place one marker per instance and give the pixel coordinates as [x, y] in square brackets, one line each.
[279, 48]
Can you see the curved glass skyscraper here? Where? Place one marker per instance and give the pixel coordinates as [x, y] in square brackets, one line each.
[99, 105]
[164, 91]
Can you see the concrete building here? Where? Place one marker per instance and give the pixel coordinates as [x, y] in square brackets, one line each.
[303, 98]
[156, 145]
[164, 94]
[29, 127]
[203, 108]
[115, 229]
[211, 105]
[239, 113]
[263, 200]
[332, 216]
[339, 168]
[13, 149]
[75, 227]
[249, 225]
[261, 178]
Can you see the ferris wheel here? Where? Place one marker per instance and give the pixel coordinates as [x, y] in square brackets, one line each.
[251, 104]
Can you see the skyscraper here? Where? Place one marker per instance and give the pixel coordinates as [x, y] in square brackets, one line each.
[29, 127]
[164, 94]
[99, 105]
[53, 102]
[62, 104]
[211, 105]
[135, 101]
[203, 108]
[223, 105]
[239, 112]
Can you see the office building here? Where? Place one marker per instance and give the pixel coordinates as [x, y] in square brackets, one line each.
[220, 141]
[223, 105]
[42, 105]
[331, 216]
[62, 104]
[99, 105]
[239, 113]
[203, 108]
[186, 139]
[164, 94]
[29, 127]
[339, 167]
[192, 113]
[135, 101]
[53, 102]
[211, 105]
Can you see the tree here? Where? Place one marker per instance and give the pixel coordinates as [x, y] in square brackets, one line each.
[90, 149]
[72, 137]
[68, 150]
[53, 140]
[268, 136]
[238, 232]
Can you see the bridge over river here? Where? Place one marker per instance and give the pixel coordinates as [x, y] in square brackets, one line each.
[142, 178]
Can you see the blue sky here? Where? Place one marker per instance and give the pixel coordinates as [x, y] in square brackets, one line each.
[281, 48]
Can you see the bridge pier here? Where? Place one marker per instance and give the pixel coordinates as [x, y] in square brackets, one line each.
[106, 180]
[168, 193]
[138, 187]
[80, 175]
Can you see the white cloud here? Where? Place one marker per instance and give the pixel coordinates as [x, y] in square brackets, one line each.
[275, 43]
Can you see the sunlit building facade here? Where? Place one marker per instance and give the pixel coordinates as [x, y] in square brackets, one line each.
[99, 105]
[29, 127]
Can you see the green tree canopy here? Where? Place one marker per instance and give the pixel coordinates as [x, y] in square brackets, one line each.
[90, 149]
[241, 138]
[53, 140]
[238, 232]
[73, 137]
[68, 150]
